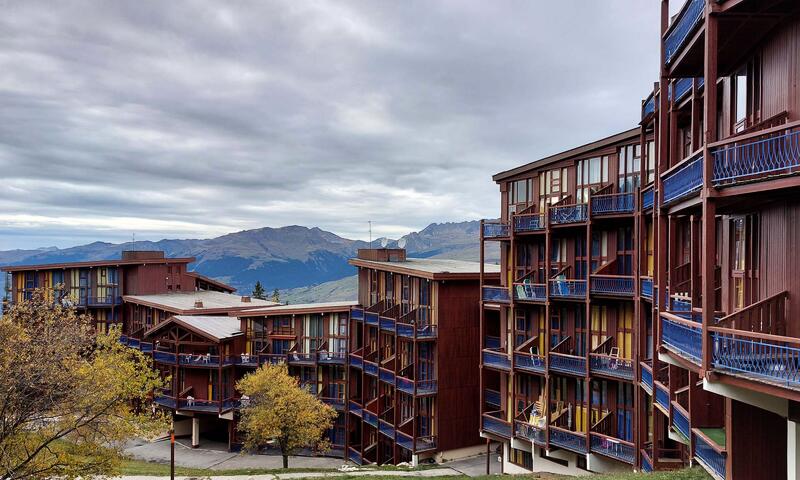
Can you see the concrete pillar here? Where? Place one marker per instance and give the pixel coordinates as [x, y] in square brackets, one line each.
[195, 432]
[792, 445]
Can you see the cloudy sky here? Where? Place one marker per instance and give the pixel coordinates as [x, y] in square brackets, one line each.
[194, 119]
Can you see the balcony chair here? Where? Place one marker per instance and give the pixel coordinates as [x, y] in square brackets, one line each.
[614, 354]
[537, 361]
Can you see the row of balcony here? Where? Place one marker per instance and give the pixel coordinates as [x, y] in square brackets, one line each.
[166, 400]
[610, 285]
[401, 383]
[410, 443]
[599, 364]
[406, 326]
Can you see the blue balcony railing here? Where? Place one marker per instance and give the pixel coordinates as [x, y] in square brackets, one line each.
[649, 106]
[684, 181]
[647, 463]
[371, 368]
[496, 294]
[682, 339]
[354, 456]
[354, 408]
[386, 429]
[164, 357]
[647, 287]
[301, 358]
[199, 360]
[568, 289]
[681, 87]
[529, 362]
[166, 401]
[688, 19]
[405, 441]
[532, 222]
[369, 418]
[568, 214]
[530, 433]
[331, 358]
[680, 420]
[574, 441]
[710, 457]
[497, 360]
[757, 158]
[615, 285]
[611, 366]
[133, 343]
[530, 292]
[356, 362]
[771, 361]
[662, 396]
[679, 305]
[357, 314]
[386, 376]
[494, 424]
[146, 347]
[570, 364]
[495, 229]
[648, 198]
[371, 318]
[647, 377]
[405, 330]
[613, 447]
[612, 204]
[387, 324]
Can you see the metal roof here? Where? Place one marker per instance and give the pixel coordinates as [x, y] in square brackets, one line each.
[215, 327]
[184, 302]
[431, 267]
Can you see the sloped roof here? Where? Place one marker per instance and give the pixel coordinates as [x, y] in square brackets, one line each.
[184, 302]
[300, 308]
[216, 328]
[433, 268]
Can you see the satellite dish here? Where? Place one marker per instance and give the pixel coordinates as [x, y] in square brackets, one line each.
[384, 242]
[401, 243]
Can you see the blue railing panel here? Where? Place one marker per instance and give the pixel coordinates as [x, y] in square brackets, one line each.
[405, 441]
[354, 408]
[770, 361]
[386, 376]
[648, 198]
[568, 214]
[354, 456]
[387, 323]
[356, 362]
[681, 87]
[568, 364]
[530, 433]
[496, 426]
[710, 457]
[496, 294]
[647, 466]
[681, 306]
[649, 106]
[370, 418]
[495, 230]
[357, 314]
[684, 26]
[371, 318]
[529, 363]
[405, 385]
[529, 223]
[498, 360]
[681, 423]
[573, 441]
[613, 448]
[662, 397]
[371, 368]
[682, 339]
[612, 366]
[684, 181]
[647, 379]
[492, 397]
[164, 357]
[612, 204]
[757, 158]
[568, 288]
[647, 287]
[405, 330]
[386, 429]
[603, 285]
[530, 292]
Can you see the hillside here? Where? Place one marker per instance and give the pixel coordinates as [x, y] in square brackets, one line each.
[286, 258]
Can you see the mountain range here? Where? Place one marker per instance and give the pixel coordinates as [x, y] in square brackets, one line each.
[305, 264]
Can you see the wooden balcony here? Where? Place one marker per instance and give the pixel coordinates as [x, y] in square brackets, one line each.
[680, 32]
[354, 408]
[568, 214]
[495, 423]
[417, 324]
[612, 447]
[530, 292]
[709, 453]
[646, 374]
[647, 461]
[568, 289]
[530, 363]
[613, 204]
[758, 156]
[684, 179]
[495, 294]
[683, 337]
[497, 360]
[566, 363]
[529, 223]
[567, 439]
[611, 366]
[531, 433]
[416, 387]
[612, 285]
[495, 230]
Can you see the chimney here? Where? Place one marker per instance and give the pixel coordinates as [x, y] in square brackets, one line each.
[382, 254]
[245, 298]
[198, 304]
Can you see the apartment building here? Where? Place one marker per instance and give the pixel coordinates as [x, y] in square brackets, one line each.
[413, 359]
[708, 374]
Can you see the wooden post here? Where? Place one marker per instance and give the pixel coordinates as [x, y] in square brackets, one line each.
[172, 453]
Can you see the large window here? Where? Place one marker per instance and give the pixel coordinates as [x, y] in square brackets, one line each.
[520, 193]
[744, 261]
[650, 161]
[592, 173]
[746, 91]
[552, 186]
[630, 158]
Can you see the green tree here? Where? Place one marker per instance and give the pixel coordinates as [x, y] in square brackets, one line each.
[70, 398]
[258, 291]
[276, 296]
[280, 410]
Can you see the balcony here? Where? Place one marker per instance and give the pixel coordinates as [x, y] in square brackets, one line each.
[104, 301]
[531, 363]
[371, 318]
[354, 456]
[647, 377]
[165, 400]
[567, 439]
[387, 324]
[335, 402]
[648, 199]
[566, 214]
[386, 429]
[369, 418]
[494, 294]
[611, 366]
[354, 408]
[405, 441]
[613, 447]
[612, 285]
[356, 361]
[683, 337]
[646, 286]
[680, 421]
[680, 88]
[491, 397]
[299, 358]
[685, 179]
[357, 314]
[574, 289]
[164, 357]
[686, 23]
[417, 324]
[529, 222]
[647, 461]
[494, 422]
[710, 455]
[530, 433]
[530, 292]
[371, 368]
[386, 376]
[331, 358]
[271, 358]
[612, 204]
[662, 396]
[198, 405]
[649, 106]
[497, 360]
[761, 155]
[495, 230]
[569, 364]
[774, 360]
[200, 360]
